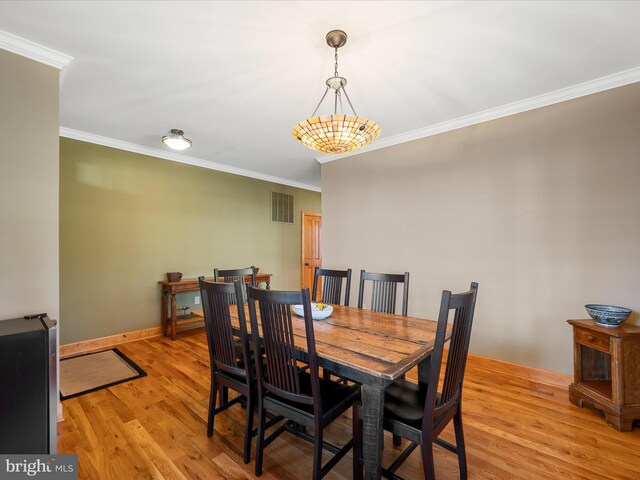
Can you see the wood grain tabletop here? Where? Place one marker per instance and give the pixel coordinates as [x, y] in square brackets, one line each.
[371, 343]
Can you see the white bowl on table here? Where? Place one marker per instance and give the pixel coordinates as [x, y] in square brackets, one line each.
[316, 313]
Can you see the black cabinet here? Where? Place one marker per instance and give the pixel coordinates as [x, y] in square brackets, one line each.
[28, 385]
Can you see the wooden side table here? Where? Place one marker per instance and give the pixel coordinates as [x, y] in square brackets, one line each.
[606, 364]
[170, 319]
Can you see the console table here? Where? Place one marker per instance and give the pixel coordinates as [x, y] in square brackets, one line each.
[169, 291]
[606, 372]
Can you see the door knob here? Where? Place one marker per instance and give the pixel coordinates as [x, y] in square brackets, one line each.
[306, 264]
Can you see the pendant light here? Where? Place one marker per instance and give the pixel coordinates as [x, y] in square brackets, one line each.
[337, 133]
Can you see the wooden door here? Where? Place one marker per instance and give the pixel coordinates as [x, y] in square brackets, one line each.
[311, 251]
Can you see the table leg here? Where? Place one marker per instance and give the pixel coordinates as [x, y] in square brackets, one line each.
[173, 315]
[373, 433]
[424, 367]
[163, 314]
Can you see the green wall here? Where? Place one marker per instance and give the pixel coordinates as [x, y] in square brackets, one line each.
[126, 219]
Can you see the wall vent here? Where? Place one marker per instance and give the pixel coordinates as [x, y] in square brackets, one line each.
[281, 207]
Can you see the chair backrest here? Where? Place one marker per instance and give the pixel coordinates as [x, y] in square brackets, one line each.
[283, 375]
[463, 306]
[384, 290]
[233, 275]
[331, 285]
[217, 301]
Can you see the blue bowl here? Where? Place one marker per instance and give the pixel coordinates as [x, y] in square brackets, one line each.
[607, 315]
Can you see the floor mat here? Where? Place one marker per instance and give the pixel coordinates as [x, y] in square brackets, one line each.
[94, 371]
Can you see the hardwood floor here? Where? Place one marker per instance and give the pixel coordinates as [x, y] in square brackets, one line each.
[155, 427]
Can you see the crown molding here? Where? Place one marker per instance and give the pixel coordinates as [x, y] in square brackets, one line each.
[587, 88]
[34, 51]
[176, 157]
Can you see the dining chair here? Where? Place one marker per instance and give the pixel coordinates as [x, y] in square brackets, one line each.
[233, 275]
[331, 285]
[420, 412]
[384, 290]
[331, 288]
[228, 369]
[383, 298]
[284, 389]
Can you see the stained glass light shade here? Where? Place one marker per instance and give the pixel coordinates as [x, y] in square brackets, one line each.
[336, 133]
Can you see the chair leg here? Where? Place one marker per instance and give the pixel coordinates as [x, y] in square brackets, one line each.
[462, 454]
[317, 454]
[248, 427]
[224, 395]
[212, 405]
[260, 440]
[397, 440]
[357, 444]
[427, 460]
[326, 374]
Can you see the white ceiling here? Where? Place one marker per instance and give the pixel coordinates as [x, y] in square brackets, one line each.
[237, 76]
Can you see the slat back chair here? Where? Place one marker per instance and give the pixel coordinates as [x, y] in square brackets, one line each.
[289, 391]
[440, 405]
[384, 291]
[234, 275]
[331, 285]
[331, 290]
[228, 369]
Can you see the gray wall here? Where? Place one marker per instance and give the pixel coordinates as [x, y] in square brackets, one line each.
[541, 208]
[29, 276]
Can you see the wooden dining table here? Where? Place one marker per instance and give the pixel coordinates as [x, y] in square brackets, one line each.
[373, 349]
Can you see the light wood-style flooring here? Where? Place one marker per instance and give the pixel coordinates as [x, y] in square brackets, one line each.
[155, 427]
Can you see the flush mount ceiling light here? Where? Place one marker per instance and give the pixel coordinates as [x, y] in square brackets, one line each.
[176, 140]
[337, 133]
